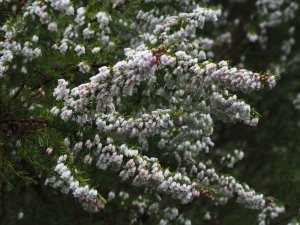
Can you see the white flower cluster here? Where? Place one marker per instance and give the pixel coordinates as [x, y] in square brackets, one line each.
[145, 171]
[145, 206]
[230, 159]
[108, 156]
[296, 102]
[161, 100]
[163, 25]
[142, 66]
[240, 79]
[37, 8]
[170, 215]
[7, 47]
[62, 5]
[80, 17]
[193, 136]
[103, 19]
[84, 68]
[230, 108]
[66, 181]
[30, 53]
[80, 50]
[61, 92]
[227, 186]
[88, 32]
[150, 174]
[269, 213]
[117, 3]
[272, 13]
[141, 127]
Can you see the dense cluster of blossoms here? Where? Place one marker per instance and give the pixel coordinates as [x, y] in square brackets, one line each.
[274, 14]
[66, 181]
[269, 213]
[161, 99]
[191, 91]
[230, 159]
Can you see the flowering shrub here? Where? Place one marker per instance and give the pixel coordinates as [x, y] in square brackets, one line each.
[115, 102]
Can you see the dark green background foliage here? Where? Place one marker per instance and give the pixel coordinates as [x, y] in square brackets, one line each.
[272, 150]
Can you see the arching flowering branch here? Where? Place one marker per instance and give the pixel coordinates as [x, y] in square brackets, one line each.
[147, 118]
